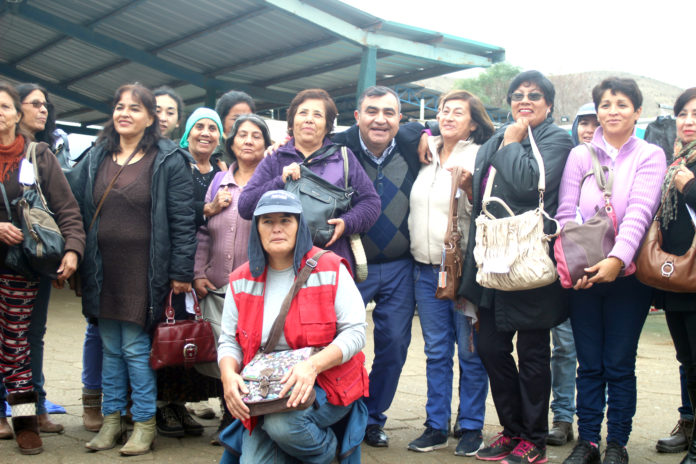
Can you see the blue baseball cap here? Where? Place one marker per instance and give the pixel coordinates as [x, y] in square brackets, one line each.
[278, 201]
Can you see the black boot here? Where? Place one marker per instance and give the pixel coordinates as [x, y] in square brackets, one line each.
[690, 457]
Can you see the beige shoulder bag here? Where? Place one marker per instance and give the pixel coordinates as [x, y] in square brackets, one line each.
[512, 253]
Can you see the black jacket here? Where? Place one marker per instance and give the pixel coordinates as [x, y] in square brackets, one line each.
[516, 183]
[173, 233]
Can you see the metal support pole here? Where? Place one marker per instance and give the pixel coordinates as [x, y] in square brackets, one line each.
[368, 71]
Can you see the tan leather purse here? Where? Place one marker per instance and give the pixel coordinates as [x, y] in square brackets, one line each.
[451, 265]
[662, 270]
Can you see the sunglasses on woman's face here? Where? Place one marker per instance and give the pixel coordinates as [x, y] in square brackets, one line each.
[38, 104]
[532, 96]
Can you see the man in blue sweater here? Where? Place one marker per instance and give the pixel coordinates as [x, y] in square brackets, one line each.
[388, 153]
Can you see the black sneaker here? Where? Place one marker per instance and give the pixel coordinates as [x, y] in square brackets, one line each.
[168, 422]
[583, 453]
[501, 447]
[615, 454]
[431, 439]
[470, 442]
[190, 425]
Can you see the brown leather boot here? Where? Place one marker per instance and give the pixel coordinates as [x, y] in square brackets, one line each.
[25, 422]
[5, 430]
[92, 417]
[46, 425]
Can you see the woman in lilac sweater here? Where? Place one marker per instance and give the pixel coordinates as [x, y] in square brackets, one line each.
[310, 122]
[609, 305]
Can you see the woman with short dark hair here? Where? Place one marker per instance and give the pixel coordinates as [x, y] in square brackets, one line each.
[141, 245]
[310, 121]
[609, 305]
[520, 389]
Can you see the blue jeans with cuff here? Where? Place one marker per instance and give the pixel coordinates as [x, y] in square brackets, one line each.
[127, 356]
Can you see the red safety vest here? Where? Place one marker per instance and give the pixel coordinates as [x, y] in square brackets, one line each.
[311, 321]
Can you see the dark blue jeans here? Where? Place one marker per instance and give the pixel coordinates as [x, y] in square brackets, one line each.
[391, 286]
[607, 320]
[35, 336]
[92, 356]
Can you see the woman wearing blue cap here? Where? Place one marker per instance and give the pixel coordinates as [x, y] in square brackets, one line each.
[327, 312]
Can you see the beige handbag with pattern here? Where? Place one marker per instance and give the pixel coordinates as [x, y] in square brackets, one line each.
[512, 253]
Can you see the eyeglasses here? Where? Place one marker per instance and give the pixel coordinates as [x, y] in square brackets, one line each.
[38, 104]
[532, 96]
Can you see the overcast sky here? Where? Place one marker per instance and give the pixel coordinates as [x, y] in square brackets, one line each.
[655, 39]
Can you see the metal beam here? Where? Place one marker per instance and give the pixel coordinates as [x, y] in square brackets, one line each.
[55, 89]
[348, 31]
[53, 42]
[368, 70]
[173, 43]
[338, 92]
[284, 53]
[139, 56]
[344, 63]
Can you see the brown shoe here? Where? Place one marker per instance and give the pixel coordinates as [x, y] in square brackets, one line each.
[27, 434]
[25, 422]
[92, 417]
[5, 430]
[46, 425]
[678, 440]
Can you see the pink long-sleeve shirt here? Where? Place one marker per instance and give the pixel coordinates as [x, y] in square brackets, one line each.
[639, 168]
[223, 241]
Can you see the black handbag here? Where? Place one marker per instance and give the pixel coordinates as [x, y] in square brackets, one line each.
[321, 200]
[43, 245]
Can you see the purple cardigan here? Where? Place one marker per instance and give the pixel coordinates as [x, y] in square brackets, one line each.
[365, 205]
[639, 169]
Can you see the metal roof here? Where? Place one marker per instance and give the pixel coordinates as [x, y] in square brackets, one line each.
[82, 50]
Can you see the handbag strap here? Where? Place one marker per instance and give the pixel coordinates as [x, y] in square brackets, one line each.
[7, 202]
[31, 157]
[109, 187]
[452, 219]
[169, 313]
[279, 323]
[320, 154]
[541, 185]
[344, 155]
[605, 184]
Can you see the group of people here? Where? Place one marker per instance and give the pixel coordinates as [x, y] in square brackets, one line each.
[144, 216]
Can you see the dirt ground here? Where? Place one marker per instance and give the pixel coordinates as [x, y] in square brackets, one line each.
[658, 398]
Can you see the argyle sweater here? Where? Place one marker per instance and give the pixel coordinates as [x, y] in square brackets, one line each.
[388, 239]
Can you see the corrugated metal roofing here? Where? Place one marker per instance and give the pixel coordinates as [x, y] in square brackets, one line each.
[82, 50]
